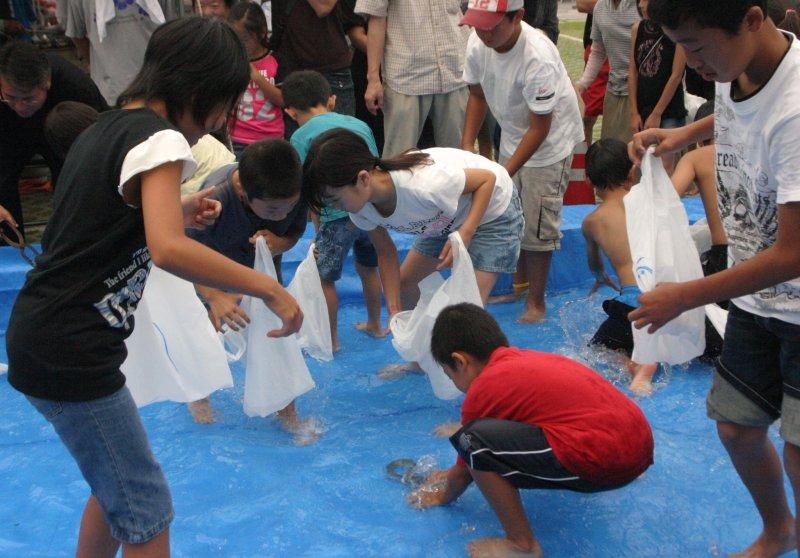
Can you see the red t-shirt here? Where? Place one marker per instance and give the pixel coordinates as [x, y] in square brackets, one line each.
[596, 432]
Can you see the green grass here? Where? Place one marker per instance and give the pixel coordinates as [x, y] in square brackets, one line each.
[572, 28]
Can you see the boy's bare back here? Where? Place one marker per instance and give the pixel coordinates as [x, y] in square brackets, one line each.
[605, 227]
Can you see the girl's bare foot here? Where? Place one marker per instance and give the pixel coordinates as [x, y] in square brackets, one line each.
[517, 292]
[304, 431]
[394, 371]
[502, 548]
[642, 383]
[201, 410]
[446, 429]
[770, 546]
[373, 330]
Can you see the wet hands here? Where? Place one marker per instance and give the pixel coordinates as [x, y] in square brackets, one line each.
[665, 140]
[286, 308]
[446, 255]
[224, 309]
[432, 492]
[277, 244]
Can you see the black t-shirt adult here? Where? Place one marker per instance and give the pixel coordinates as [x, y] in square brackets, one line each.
[587, 31]
[230, 234]
[21, 137]
[66, 335]
[309, 42]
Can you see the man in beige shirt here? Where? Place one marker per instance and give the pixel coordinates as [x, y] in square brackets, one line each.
[418, 48]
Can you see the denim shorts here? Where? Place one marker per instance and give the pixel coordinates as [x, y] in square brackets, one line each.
[334, 240]
[494, 247]
[758, 374]
[107, 440]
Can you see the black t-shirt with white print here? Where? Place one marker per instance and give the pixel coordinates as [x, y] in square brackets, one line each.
[66, 335]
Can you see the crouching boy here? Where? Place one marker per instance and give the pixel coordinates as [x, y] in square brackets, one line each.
[530, 420]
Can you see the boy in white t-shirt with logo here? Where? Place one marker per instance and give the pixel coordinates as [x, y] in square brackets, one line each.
[517, 72]
[756, 126]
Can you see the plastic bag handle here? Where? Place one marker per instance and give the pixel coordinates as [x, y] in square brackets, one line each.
[457, 244]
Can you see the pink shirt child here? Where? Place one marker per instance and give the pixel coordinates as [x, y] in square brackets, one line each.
[256, 117]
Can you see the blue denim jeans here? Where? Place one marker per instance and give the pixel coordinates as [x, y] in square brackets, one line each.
[107, 440]
[341, 82]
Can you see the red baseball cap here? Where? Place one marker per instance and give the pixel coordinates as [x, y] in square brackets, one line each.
[486, 14]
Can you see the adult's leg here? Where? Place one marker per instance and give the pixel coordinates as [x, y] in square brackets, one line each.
[403, 118]
[447, 115]
[791, 459]
[758, 465]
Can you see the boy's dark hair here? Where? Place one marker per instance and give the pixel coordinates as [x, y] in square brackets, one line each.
[727, 15]
[465, 328]
[776, 9]
[511, 15]
[196, 64]
[337, 156]
[706, 109]
[65, 122]
[305, 89]
[270, 169]
[24, 65]
[252, 17]
[608, 164]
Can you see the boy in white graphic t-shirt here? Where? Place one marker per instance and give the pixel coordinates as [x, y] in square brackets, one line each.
[756, 127]
[517, 72]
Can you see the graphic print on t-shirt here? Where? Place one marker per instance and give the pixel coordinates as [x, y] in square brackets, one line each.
[254, 104]
[747, 204]
[118, 305]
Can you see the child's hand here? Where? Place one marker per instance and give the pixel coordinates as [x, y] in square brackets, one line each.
[277, 244]
[286, 308]
[600, 280]
[446, 255]
[636, 123]
[659, 306]
[432, 493]
[199, 211]
[666, 141]
[225, 309]
[653, 121]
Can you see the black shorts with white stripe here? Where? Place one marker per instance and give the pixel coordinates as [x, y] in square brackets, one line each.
[518, 452]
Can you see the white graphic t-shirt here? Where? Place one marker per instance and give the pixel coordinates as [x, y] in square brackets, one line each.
[758, 168]
[431, 199]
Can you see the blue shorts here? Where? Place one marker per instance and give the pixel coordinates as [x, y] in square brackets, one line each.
[494, 247]
[107, 440]
[334, 240]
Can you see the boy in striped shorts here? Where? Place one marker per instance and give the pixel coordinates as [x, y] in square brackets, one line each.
[529, 420]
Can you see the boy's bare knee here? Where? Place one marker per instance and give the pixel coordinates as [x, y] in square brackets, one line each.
[735, 436]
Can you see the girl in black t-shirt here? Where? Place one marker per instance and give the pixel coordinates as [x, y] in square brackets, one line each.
[117, 208]
[655, 79]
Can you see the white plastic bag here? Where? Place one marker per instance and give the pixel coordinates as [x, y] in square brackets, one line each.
[315, 334]
[174, 353]
[662, 250]
[411, 330]
[276, 373]
[718, 318]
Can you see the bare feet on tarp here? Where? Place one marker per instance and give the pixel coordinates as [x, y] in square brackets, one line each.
[447, 429]
[770, 545]
[395, 371]
[304, 431]
[642, 382]
[373, 330]
[533, 314]
[201, 411]
[502, 548]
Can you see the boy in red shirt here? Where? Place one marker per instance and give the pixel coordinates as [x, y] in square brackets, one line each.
[530, 420]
